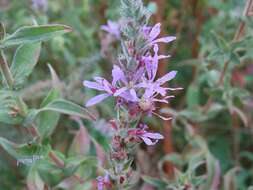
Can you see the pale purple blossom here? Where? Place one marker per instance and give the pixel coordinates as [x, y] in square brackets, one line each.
[154, 87]
[152, 34]
[127, 91]
[148, 138]
[101, 84]
[103, 182]
[112, 28]
[128, 87]
[40, 4]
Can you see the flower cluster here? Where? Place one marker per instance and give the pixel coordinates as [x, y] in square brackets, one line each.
[136, 90]
[138, 86]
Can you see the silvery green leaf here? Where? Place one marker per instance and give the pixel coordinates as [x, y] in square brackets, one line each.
[32, 34]
[61, 106]
[24, 61]
[33, 181]
[47, 121]
[8, 108]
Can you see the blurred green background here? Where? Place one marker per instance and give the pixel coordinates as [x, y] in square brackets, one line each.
[203, 28]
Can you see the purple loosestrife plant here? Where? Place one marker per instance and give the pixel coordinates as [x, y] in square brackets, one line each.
[135, 89]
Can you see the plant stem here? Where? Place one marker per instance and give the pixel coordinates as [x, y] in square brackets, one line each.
[10, 82]
[239, 33]
[6, 71]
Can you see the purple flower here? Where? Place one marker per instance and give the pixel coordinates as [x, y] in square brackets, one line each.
[152, 34]
[147, 137]
[103, 182]
[39, 4]
[101, 84]
[152, 87]
[128, 91]
[112, 28]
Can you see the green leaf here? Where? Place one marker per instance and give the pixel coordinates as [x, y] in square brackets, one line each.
[193, 96]
[20, 151]
[34, 182]
[25, 59]
[60, 106]
[8, 108]
[247, 155]
[47, 121]
[174, 158]
[2, 31]
[67, 107]
[49, 172]
[220, 42]
[98, 137]
[31, 34]
[155, 182]
[214, 110]
[56, 83]
[72, 164]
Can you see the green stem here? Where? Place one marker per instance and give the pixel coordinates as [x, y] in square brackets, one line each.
[10, 82]
[22, 106]
[6, 71]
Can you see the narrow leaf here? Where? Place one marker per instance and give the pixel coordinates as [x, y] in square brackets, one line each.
[60, 106]
[31, 34]
[69, 108]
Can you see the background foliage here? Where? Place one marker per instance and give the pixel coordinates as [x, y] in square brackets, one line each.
[210, 136]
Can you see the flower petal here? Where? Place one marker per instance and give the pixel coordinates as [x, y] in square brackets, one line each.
[120, 91]
[147, 141]
[138, 74]
[155, 31]
[155, 62]
[134, 95]
[161, 90]
[127, 96]
[173, 89]
[148, 65]
[163, 56]
[107, 86]
[167, 39]
[167, 77]
[118, 74]
[97, 99]
[93, 85]
[153, 135]
[112, 28]
[148, 92]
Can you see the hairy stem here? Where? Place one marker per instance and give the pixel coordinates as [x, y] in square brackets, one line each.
[10, 82]
[6, 71]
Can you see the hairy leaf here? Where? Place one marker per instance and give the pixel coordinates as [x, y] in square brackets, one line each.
[8, 108]
[31, 34]
[34, 182]
[47, 121]
[25, 59]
